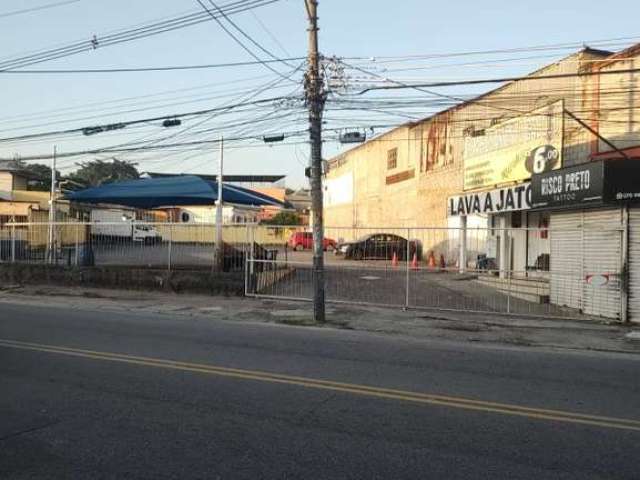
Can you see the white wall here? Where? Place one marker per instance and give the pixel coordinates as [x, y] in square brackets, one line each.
[338, 191]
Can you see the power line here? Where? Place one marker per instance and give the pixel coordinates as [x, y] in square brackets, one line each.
[166, 68]
[270, 33]
[236, 39]
[35, 9]
[119, 112]
[531, 48]
[128, 35]
[245, 34]
[90, 106]
[262, 88]
[500, 80]
[145, 148]
[144, 120]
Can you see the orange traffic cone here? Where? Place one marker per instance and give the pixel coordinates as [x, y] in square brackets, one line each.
[431, 261]
[394, 260]
[414, 262]
[443, 265]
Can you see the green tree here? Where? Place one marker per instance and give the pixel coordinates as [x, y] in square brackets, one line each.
[40, 175]
[284, 218]
[99, 172]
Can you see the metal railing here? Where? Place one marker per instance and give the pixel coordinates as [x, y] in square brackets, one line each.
[524, 271]
[450, 269]
[122, 244]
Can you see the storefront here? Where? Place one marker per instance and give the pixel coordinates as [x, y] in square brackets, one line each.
[516, 238]
[577, 228]
[594, 222]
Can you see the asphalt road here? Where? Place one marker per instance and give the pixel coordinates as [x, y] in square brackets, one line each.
[108, 395]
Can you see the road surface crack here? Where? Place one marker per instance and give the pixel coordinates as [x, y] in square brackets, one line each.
[29, 430]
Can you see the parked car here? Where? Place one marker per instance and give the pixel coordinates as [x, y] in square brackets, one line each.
[304, 241]
[379, 246]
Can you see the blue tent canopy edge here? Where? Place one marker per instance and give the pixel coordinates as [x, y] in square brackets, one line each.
[180, 190]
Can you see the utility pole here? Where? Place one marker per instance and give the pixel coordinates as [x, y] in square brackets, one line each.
[315, 102]
[52, 207]
[219, 250]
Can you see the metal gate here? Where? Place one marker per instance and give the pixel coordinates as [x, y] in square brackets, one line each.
[579, 276]
[634, 265]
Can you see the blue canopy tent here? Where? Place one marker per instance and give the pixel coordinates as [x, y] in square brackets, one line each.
[175, 191]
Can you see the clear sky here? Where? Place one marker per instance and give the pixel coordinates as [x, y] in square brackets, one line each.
[349, 28]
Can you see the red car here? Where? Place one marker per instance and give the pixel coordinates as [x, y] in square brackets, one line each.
[304, 241]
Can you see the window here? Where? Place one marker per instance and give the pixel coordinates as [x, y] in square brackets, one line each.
[392, 158]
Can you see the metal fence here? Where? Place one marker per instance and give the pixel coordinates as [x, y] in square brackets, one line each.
[524, 271]
[126, 244]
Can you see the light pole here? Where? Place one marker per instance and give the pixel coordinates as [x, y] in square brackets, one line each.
[315, 101]
[52, 209]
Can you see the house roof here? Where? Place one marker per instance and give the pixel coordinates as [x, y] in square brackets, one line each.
[14, 167]
[632, 51]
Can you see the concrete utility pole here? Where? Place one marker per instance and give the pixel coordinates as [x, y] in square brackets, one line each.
[315, 101]
[52, 208]
[219, 251]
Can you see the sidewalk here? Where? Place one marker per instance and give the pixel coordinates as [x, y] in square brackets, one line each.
[491, 329]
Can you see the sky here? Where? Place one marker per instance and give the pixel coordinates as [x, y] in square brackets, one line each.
[362, 32]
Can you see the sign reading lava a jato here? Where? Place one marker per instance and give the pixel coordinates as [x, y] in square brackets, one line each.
[516, 149]
[508, 199]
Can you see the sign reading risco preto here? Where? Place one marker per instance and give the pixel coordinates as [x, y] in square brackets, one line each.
[582, 184]
[508, 199]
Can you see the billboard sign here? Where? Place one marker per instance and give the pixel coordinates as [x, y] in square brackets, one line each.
[516, 149]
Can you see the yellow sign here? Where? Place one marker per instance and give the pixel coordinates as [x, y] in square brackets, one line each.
[516, 149]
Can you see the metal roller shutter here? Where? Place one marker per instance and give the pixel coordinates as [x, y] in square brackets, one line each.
[602, 242]
[585, 245]
[634, 265]
[566, 259]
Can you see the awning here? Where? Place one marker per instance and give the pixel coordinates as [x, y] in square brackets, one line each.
[169, 192]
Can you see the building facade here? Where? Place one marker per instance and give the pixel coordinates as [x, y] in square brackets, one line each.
[484, 165]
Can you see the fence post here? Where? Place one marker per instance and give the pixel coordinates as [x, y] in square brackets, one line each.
[13, 243]
[510, 274]
[246, 259]
[462, 240]
[169, 246]
[407, 269]
[77, 245]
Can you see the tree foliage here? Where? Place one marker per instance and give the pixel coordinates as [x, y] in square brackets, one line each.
[40, 175]
[98, 172]
[284, 218]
